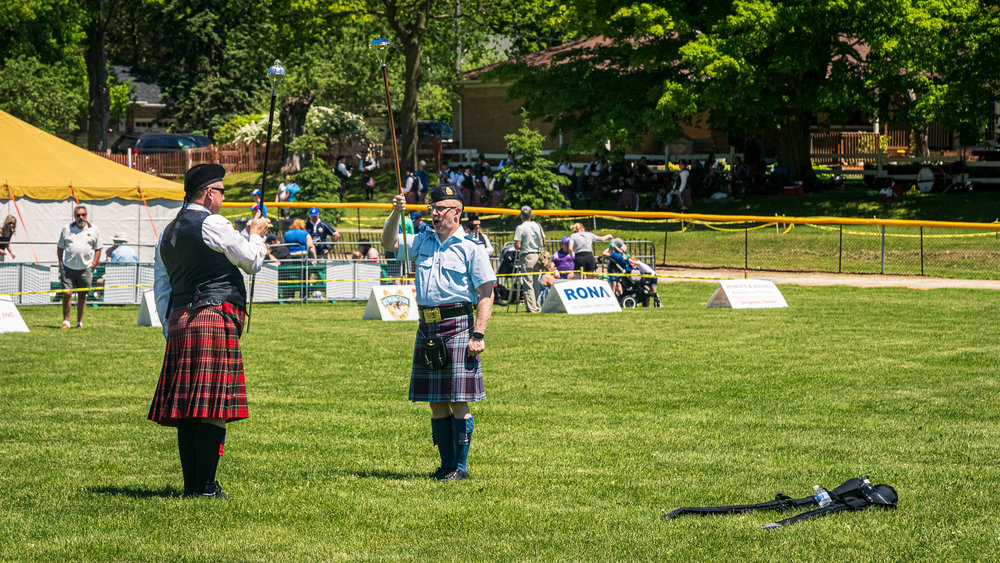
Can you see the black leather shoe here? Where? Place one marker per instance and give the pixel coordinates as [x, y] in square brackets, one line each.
[456, 475]
[440, 472]
[213, 489]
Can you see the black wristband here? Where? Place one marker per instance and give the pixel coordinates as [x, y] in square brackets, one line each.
[478, 336]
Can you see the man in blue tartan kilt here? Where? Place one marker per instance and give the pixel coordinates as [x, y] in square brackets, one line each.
[453, 278]
[201, 301]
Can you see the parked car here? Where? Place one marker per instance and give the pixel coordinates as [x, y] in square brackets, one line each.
[149, 143]
[427, 129]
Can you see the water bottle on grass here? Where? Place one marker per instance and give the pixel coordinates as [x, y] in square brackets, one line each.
[822, 497]
[871, 492]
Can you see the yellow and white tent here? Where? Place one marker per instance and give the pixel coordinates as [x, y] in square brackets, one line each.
[42, 177]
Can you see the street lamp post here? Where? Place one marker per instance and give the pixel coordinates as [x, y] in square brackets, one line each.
[276, 73]
[379, 46]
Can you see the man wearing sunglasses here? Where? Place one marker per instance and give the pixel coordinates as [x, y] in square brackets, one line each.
[79, 252]
[201, 300]
[453, 278]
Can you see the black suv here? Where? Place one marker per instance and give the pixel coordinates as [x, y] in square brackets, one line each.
[149, 143]
[428, 129]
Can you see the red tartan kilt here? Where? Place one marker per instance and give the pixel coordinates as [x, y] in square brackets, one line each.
[202, 375]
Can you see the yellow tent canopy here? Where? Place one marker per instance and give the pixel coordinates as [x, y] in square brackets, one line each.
[41, 166]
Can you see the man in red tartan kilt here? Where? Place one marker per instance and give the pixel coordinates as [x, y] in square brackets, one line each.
[201, 300]
[453, 277]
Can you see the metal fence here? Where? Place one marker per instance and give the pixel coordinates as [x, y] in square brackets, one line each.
[125, 284]
[824, 245]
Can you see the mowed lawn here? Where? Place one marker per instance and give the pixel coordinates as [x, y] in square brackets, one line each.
[592, 428]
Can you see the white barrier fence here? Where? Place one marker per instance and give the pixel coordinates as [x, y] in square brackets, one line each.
[124, 284]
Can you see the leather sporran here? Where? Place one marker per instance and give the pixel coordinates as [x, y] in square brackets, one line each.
[433, 353]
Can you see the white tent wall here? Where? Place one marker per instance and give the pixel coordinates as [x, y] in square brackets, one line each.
[41, 221]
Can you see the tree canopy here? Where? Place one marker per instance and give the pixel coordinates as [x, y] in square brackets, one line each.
[760, 66]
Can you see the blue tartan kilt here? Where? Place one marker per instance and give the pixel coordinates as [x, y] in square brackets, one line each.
[462, 379]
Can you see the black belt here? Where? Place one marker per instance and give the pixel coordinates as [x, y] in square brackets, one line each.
[440, 313]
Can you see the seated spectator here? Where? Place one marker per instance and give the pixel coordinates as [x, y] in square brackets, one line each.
[563, 260]
[623, 263]
[121, 252]
[664, 200]
[275, 250]
[368, 252]
[299, 241]
[738, 178]
[547, 278]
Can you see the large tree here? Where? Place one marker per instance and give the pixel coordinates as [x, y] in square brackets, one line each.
[209, 56]
[757, 66]
[42, 75]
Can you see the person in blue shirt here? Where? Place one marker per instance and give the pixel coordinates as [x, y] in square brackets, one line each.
[299, 242]
[453, 278]
[258, 204]
[121, 252]
[321, 232]
[419, 225]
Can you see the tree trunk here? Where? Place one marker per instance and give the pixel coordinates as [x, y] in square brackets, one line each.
[793, 149]
[407, 124]
[293, 121]
[97, 77]
[919, 136]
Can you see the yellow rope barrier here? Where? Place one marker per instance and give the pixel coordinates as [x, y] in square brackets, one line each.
[900, 235]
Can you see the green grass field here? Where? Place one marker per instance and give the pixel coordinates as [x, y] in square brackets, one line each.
[593, 427]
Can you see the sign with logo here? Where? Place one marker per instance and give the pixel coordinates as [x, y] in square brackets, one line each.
[747, 294]
[147, 311]
[392, 303]
[581, 297]
[10, 318]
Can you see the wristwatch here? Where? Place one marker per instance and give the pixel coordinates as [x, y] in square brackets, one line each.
[478, 336]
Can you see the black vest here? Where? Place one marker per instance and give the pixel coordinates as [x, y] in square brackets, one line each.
[197, 272]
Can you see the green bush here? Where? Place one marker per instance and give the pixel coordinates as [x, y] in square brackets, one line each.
[528, 180]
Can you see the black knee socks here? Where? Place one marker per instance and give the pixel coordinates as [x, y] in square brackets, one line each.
[186, 446]
[209, 442]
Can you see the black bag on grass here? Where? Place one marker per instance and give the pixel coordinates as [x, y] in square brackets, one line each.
[848, 496]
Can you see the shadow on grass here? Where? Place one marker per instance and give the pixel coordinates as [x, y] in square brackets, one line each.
[367, 474]
[136, 492]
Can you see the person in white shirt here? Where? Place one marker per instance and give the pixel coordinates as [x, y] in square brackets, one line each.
[79, 252]
[201, 300]
[343, 173]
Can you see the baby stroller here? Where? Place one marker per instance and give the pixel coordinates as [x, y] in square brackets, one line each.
[508, 259]
[635, 288]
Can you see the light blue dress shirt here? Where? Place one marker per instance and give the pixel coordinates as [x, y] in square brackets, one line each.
[449, 271]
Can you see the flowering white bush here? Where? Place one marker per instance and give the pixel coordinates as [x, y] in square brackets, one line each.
[334, 122]
[257, 131]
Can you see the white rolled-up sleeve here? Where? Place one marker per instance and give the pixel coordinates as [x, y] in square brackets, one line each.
[246, 254]
[161, 289]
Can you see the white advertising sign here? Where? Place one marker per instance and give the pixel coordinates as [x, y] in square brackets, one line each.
[147, 311]
[747, 294]
[10, 318]
[581, 297]
[392, 303]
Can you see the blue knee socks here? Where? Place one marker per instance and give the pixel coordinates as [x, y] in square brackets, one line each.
[442, 434]
[462, 431]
